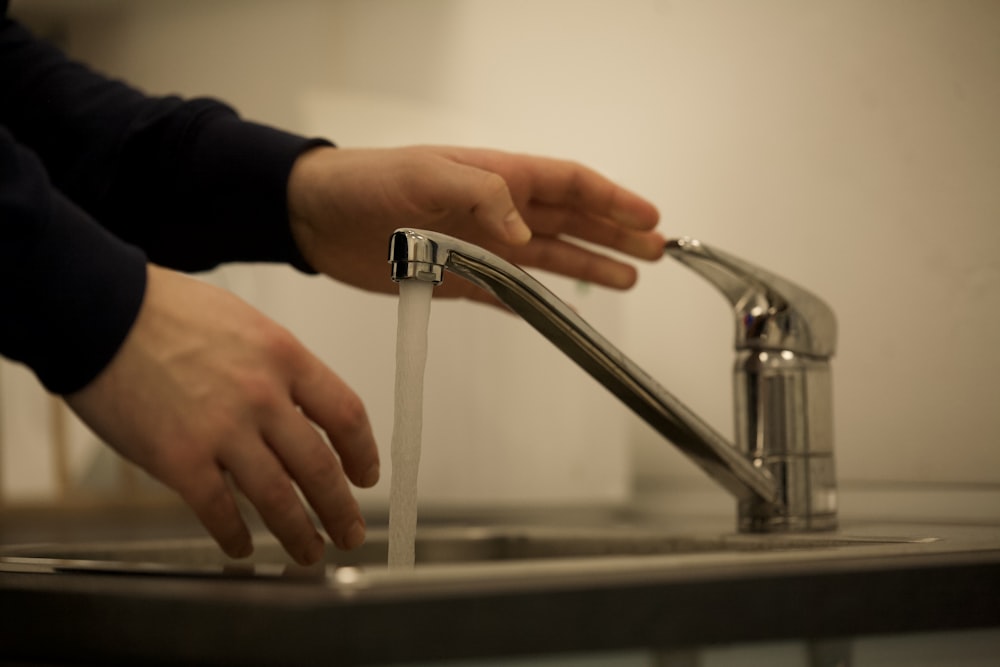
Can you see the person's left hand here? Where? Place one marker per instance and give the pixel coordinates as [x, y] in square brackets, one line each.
[207, 394]
[344, 205]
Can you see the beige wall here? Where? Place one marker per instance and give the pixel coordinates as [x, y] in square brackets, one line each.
[852, 146]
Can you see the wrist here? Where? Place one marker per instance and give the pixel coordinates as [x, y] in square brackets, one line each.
[307, 181]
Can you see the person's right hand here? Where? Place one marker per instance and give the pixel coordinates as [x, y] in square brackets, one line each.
[206, 388]
[550, 214]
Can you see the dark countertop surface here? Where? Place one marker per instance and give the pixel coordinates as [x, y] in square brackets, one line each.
[941, 577]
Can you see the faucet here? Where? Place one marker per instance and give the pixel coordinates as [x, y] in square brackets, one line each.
[780, 468]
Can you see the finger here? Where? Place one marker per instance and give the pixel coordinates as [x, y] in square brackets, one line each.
[318, 473]
[485, 195]
[600, 231]
[564, 183]
[335, 408]
[205, 490]
[561, 183]
[494, 208]
[574, 261]
[265, 482]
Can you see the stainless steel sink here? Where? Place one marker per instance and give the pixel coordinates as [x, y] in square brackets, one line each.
[436, 545]
[533, 583]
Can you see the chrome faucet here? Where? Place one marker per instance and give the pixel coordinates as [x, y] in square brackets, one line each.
[781, 467]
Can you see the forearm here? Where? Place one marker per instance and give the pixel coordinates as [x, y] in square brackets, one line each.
[186, 180]
[69, 290]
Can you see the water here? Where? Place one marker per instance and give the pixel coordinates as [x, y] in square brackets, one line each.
[411, 358]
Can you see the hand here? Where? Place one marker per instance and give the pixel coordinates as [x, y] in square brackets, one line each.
[204, 388]
[344, 204]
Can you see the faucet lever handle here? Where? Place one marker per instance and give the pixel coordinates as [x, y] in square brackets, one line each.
[772, 313]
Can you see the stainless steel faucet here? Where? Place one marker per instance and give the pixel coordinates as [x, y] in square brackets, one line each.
[781, 467]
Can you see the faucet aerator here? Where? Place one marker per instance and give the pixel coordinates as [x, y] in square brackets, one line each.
[415, 256]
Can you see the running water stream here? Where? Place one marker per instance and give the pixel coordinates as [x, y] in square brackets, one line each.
[411, 358]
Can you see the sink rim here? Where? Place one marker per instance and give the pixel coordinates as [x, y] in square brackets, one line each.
[570, 546]
[952, 545]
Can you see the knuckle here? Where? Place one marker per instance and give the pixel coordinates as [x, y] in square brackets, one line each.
[276, 497]
[216, 509]
[280, 342]
[173, 462]
[279, 346]
[322, 467]
[323, 473]
[219, 426]
[576, 185]
[209, 500]
[353, 417]
[259, 393]
[494, 185]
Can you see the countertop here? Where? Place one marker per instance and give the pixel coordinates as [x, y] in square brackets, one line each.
[355, 616]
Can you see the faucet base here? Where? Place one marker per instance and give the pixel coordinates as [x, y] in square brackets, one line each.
[757, 517]
[785, 524]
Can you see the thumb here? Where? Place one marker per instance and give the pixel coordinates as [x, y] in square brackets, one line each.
[494, 209]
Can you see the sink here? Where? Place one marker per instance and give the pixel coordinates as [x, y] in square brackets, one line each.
[435, 546]
[490, 587]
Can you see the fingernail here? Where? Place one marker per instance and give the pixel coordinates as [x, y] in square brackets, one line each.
[355, 536]
[622, 277]
[370, 478]
[659, 244]
[244, 550]
[517, 229]
[314, 552]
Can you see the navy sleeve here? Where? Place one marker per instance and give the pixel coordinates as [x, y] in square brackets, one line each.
[187, 180]
[69, 290]
[96, 177]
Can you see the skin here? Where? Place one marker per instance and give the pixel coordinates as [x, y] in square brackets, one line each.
[211, 397]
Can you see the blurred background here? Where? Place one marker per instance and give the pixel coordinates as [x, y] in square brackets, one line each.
[852, 146]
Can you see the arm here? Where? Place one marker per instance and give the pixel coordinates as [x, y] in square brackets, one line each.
[186, 180]
[178, 376]
[69, 290]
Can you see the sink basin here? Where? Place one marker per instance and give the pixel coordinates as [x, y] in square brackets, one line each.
[435, 545]
[488, 587]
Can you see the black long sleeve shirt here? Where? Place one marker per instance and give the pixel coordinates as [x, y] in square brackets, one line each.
[96, 178]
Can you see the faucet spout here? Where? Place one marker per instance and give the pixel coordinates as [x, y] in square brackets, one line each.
[423, 255]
